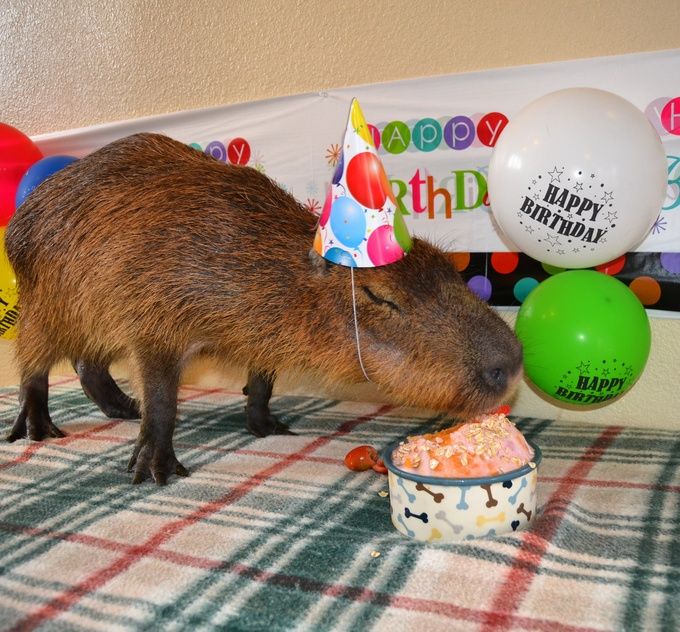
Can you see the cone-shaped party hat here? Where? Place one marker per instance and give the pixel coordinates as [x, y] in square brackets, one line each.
[361, 225]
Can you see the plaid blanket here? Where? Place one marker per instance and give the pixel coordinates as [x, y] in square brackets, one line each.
[276, 534]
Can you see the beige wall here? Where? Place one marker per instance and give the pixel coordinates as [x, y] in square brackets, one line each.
[70, 64]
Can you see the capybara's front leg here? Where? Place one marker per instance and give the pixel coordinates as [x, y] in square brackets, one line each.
[34, 419]
[101, 388]
[259, 421]
[154, 454]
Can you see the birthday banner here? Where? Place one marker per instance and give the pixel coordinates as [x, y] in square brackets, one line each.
[435, 137]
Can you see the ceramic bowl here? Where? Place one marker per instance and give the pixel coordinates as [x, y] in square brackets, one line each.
[438, 509]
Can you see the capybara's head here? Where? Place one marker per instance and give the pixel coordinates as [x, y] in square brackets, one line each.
[425, 338]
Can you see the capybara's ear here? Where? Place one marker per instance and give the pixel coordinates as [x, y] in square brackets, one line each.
[320, 265]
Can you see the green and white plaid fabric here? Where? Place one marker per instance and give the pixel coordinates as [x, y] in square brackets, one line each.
[276, 534]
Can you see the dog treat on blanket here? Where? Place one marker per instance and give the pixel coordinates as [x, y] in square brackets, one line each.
[486, 446]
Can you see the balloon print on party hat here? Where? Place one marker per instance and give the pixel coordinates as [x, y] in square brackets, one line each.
[361, 225]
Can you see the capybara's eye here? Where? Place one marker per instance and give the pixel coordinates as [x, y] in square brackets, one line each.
[380, 301]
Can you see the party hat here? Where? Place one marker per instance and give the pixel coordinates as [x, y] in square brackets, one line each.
[361, 225]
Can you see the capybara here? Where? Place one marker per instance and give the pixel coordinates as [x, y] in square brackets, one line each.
[148, 248]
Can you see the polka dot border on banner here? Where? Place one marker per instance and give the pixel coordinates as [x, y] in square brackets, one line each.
[504, 279]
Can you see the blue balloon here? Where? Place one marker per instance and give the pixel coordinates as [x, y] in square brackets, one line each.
[348, 222]
[37, 173]
[340, 256]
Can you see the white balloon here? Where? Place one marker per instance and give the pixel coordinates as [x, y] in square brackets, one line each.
[577, 178]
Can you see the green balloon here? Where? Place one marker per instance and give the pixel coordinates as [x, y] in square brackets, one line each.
[586, 337]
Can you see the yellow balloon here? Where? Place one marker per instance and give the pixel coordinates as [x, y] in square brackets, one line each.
[359, 123]
[9, 296]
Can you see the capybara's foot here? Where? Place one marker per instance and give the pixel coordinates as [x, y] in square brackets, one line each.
[34, 424]
[101, 388]
[263, 424]
[149, 460]
[125, 408]
[259, 421]
[34, 417]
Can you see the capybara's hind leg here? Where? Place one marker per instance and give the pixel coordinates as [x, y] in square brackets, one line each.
[101, 388]
[34, 418]
[259, 421]
[154, 454]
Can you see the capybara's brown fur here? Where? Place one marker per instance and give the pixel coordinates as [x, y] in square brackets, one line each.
[148, 248]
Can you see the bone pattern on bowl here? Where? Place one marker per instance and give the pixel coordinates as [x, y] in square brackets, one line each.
[437, 513]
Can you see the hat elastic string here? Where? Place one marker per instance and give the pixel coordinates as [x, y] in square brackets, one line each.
[356, 325]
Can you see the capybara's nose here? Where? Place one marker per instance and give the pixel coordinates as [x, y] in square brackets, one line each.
[503, 369]
[496, 378]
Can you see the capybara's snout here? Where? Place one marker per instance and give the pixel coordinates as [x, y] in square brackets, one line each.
[500, 372]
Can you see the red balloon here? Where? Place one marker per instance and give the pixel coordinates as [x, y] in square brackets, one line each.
[17, 154]
[366, 180]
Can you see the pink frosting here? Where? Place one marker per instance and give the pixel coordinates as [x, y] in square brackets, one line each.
[487, 446]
